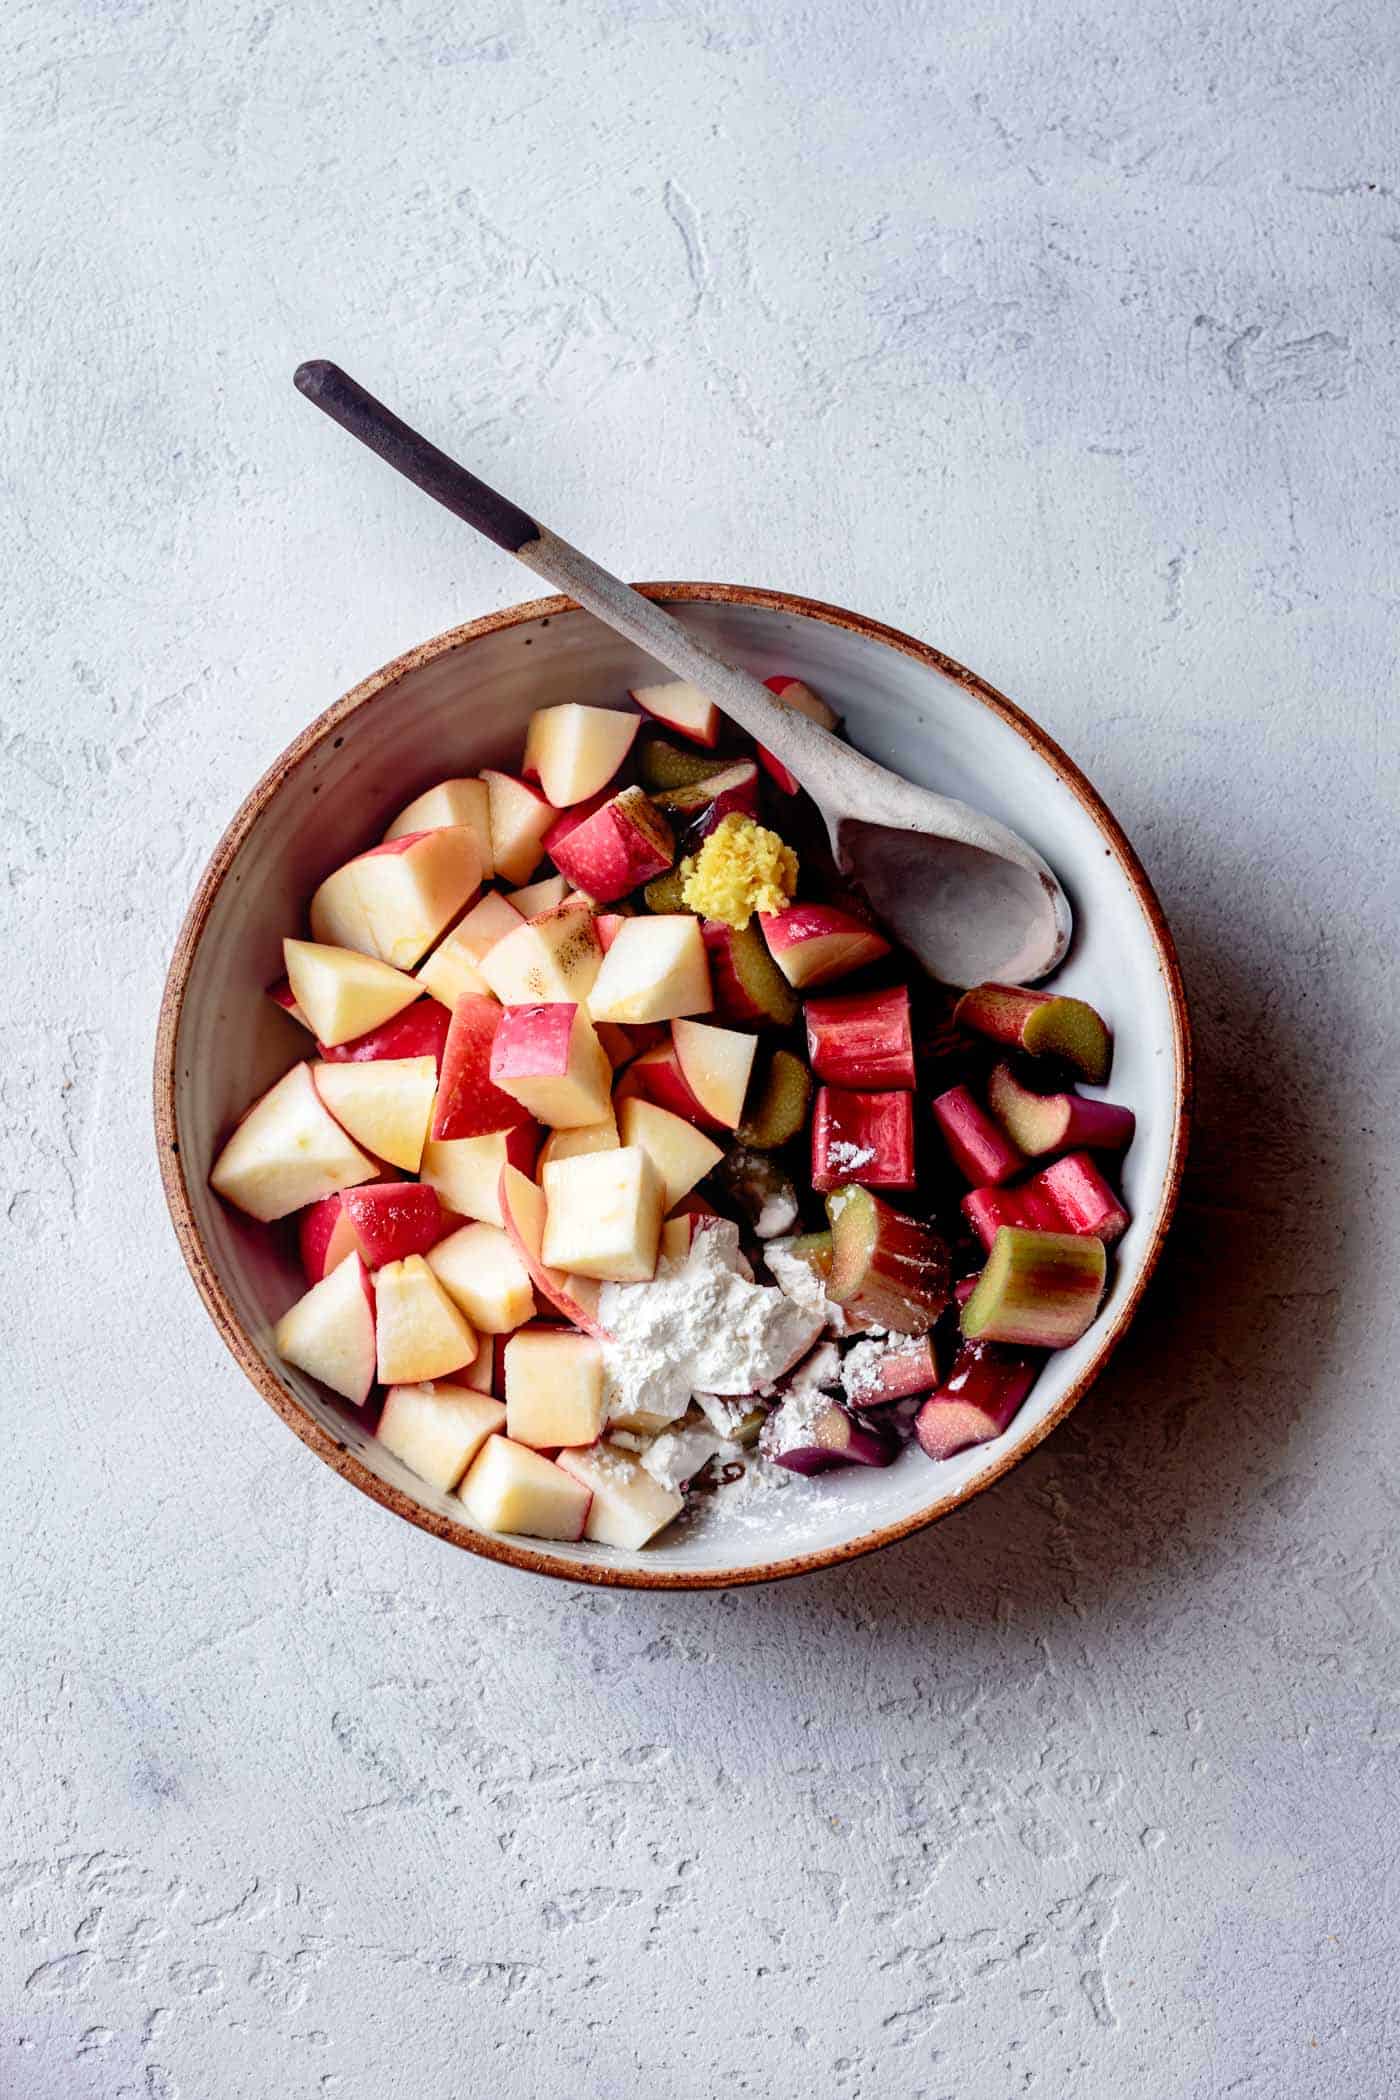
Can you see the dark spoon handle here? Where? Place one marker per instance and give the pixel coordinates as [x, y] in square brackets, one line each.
[346, 402]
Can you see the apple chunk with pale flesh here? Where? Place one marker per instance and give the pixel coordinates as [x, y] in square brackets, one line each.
[656, 1075]
[793, 693]
[386, 1105]
[523, 1212]
[509, 1488]
[628, 1506]
[437, 1429]
[584, 1137]
[330, 1332]
[395, 900]
[549, 1059]
[655, 970]
[574, 751]
[717, 1064]
[554, 1388]
[288, 1151]
[603, 1215]
[554, 956]
[519, 820]
[343, 994]
[421, 1334]
[452, 804]
[682, 707]
[681, 1154]
[814, 943]
[453, 968]
[619, 847]
[466, 1172]
[483, 1274]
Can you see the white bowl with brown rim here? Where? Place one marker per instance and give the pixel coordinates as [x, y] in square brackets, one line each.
[461, 702]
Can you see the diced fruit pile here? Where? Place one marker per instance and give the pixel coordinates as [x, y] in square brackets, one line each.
[537, 1092]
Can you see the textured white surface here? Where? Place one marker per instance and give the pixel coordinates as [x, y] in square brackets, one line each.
[1063, 336]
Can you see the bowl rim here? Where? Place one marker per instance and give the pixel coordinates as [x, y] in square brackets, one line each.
[328, 1447]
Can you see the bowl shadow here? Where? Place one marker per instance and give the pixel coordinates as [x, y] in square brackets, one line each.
[1179, 1457]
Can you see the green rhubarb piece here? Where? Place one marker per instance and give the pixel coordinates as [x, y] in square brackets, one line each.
[887, 1270]
[1040, 1289]
[778, 1109]
[664, 892]
[666, 765]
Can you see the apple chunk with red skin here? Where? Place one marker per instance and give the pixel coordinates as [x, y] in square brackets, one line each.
[452, 804]
[655, 970]
[420, 1332]
[793, 693]
[717, 1064]
[524, 1211]
[656, 1075]
[814, 943]
[330, 1332]
[519, 820]
[549, 1059]
[622, 845]
[395, 900]
[287, 1151]
[466, 1172]
[573, 751]
[683, 707]
[469, 1104]
[421, 1030]
[509, 1488]
[342, 994]
[387, 1221]
[437, 1429]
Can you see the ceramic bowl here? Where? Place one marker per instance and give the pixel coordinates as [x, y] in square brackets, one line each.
[460, 702]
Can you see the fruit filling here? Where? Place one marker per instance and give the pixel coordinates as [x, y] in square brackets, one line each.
[629, 1165]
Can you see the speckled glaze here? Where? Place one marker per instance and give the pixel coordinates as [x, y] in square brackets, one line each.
[460, 702]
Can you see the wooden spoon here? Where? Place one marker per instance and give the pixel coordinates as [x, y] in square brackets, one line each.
[968, 896]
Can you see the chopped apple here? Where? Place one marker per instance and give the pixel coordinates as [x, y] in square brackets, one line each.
[421, 1334]
[451, 805]
[325, 1235]
[523, 1212]
[628, 1506]
[330, 1332]
[549, 1059]
[620, 846]
[281, 994]
[421, 1030]
[574, 751]
[584, 1137]
[682, 707]
[396, 899]
[468, 1103]
[603, 1215]
[656, 1075]
[701, 807]
[681, 1154]
[453, 968]
[556, 956]
[616, 1042]
[288, 1151]
[655, 970]
[717, 1064]
[466, 1172]
[342, 994]
[437, 1429]
[793, 693]
[554, 1388]
[814, 943]
[508, 1488]
[393, 1219]
[482, 1273]
[386, 1106]
[539, 896]
[519, 820]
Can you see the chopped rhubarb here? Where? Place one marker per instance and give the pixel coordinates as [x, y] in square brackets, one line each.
[862, 1039]
[1043, 1023]
[979, 1399]
[1063, 1122]
[886, 1270]
[980, 1149]
[867, 1138]
[667, 765]
[666, 893]
[777, 1107]
[1083, 1199]
[987, 1210]
[809, 1434]
[876, 1373]
[747, 983]
[419, 1031]
[1041, 1289]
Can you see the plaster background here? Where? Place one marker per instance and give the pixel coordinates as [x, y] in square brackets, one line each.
[1064, 336]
